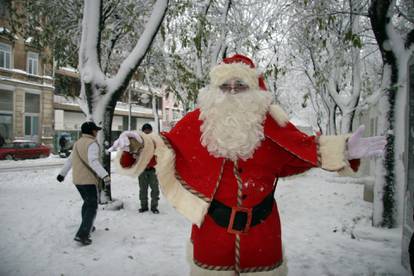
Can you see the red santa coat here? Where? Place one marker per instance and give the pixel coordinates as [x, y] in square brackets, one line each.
[281, 153]
[191, 178]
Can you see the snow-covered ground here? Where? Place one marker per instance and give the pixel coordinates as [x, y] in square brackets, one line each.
[326, 229]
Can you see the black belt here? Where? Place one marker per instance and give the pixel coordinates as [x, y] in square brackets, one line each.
[240, 219]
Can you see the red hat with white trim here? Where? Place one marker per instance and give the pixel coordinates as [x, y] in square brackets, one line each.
[240, 67]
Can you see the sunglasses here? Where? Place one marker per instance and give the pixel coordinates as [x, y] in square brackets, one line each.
[236, 86]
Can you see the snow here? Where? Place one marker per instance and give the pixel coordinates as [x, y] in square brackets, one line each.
[26, 82]
[29, 39]
[27, 163]
[297, 121]
[326, 229]
[69, 69]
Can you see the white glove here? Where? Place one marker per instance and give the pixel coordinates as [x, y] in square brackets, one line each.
[122, 142]
[359, 147]
[107, 180]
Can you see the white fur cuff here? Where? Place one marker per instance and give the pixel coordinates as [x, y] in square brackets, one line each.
[144, 158]
[332, 152]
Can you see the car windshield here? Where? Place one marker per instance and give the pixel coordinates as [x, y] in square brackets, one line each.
[24, 145]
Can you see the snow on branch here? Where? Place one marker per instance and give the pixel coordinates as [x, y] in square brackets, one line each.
[88, 58]
[138, 53]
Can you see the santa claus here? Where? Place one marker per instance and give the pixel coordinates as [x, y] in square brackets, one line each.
[220, 164]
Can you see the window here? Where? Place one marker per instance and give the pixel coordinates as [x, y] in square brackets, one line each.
[31, 125]
[5, 54]
[6, 100]
[5, 8]
[6, 126]
[32, 103]
[32, 63]
[6, 114]
[32, 110]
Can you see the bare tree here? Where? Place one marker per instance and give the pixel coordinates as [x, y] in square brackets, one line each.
[99, 92]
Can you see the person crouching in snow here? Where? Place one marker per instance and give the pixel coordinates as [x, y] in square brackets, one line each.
[219, 167]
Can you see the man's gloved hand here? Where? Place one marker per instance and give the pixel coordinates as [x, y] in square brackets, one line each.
[359, 147]
[60, 178]
[107, 180]
[122, 142]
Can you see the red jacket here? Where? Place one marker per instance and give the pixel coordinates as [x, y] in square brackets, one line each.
[284, 151]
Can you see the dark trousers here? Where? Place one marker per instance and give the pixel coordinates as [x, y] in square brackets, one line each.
[89, 194]
[148, 178]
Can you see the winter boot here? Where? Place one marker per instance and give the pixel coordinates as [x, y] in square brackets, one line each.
[83, 240]
[143, 209]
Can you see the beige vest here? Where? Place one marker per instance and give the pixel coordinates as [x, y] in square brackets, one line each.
[82, 174]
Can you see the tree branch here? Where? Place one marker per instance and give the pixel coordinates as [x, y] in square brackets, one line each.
[133, 60]
[379, 16]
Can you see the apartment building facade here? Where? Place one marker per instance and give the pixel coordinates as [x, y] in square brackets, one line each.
[26, 85]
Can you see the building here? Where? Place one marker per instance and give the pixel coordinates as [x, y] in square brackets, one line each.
[131, 112]
[172, 111]
[26, 85]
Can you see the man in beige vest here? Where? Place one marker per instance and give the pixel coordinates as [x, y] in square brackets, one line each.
[86, 172]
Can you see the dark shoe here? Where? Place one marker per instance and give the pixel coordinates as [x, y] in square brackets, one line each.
[83, 240]
[143, 209]
[155, 210]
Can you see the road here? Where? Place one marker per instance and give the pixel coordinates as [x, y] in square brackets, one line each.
[31, 164]
[53, 162]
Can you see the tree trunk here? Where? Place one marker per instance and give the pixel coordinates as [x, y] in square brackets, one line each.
[106, 158]
[330, 107]
[379, 13]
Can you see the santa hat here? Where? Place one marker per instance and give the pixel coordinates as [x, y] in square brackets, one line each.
[237, 66]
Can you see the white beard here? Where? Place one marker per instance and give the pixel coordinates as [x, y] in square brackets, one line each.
[232, 123]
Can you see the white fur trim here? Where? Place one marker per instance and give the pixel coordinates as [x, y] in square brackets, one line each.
[224, 72]
[144, 158]
[188, 204]
[332, 152]
[198, 271]
[279, 115]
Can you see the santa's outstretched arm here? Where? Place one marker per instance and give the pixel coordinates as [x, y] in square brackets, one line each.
[135, 150]
[339, 153]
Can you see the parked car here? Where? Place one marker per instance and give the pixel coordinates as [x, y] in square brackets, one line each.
[22, 149]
